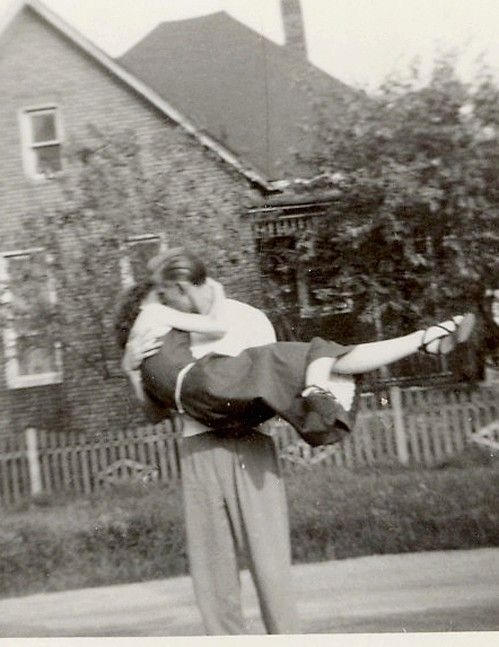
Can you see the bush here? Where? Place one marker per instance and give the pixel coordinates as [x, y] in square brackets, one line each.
[137, 533]
[127, 535]
[344, 514]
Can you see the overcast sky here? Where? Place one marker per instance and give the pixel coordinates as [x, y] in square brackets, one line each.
[358, 41]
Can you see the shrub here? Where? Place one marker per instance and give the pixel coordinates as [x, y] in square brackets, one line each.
[345, 514]
[131, 534]
[137, 533]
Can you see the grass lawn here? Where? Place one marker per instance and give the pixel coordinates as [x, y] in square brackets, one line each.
[137, 533]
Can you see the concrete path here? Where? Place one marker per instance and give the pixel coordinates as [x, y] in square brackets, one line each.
[434, 591]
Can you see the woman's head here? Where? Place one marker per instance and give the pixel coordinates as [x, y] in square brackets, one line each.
[129, 308]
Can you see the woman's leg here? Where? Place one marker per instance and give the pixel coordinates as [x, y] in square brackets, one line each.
[218, 388]
[373, 355]
[363, 358]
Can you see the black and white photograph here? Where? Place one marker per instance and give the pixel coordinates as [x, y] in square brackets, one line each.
[249, 321]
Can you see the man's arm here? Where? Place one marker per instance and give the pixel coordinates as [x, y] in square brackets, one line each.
[247, 327]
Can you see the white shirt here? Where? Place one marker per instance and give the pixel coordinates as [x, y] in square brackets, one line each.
[246, 327]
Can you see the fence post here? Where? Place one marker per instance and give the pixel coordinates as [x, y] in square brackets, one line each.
[398, 419]
[33, 461]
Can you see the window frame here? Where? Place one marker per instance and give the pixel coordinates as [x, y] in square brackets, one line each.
[29, 147]
[13, 378]
[126, 272]
[493, 295]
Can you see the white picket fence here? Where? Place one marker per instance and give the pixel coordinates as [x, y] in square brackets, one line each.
[43, 461]
[408, 426]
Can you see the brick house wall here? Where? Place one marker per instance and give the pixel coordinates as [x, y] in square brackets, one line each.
[40, 66]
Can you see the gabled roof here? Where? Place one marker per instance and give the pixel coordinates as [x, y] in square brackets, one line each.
[139, 86]
[248, 93]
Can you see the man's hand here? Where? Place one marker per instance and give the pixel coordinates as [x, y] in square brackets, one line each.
[138, 349]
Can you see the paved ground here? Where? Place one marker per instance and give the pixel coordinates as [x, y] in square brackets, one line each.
[435, 591]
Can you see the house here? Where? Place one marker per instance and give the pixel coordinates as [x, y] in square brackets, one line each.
[254, 96]
[54, 84]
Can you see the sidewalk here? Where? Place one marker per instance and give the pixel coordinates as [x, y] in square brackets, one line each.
[434, 591]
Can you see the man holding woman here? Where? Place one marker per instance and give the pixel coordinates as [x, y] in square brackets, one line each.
[243, 381]
[234, 497]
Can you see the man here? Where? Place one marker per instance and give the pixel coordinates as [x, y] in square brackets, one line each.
[234, 496]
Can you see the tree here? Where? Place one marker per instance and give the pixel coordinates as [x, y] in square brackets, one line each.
[415, 231]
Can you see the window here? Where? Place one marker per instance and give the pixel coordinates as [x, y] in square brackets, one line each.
[296, 286]
[137, 252]
[494, 304]
[41, 136]
[318, 294]
[32, 356]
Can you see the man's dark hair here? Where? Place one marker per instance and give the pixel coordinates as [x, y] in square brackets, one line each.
[128, 310]
[178, 264]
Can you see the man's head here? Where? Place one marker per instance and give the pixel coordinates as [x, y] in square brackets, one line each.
[180, 279]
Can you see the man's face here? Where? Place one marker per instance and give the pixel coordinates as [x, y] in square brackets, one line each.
[170, 294]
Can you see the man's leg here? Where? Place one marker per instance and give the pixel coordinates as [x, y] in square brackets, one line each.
[210, 536]
[258, 503]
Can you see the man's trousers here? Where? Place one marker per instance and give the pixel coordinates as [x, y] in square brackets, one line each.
[235, 502]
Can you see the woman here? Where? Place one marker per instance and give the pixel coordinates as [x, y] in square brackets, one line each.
[311, 385]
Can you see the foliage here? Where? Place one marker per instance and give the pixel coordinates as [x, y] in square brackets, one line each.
[113, 191]
[414, 231]
[134, 534]
[83, 232]
[383, 511]
[124, 535]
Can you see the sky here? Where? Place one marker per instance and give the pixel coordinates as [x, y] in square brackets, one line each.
[357, 41]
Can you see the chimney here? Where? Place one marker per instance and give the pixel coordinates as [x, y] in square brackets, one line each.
[294, 29]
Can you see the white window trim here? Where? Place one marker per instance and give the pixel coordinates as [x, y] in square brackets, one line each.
[27, 144]
[13, 379]
[127, 278]
[494, 293]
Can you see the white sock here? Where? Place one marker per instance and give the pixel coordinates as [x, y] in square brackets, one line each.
[342, 387]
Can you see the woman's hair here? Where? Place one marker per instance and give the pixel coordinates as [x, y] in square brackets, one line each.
[178, 263]
[128, 310]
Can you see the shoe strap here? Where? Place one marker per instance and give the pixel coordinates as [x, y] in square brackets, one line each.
[424, 344]
[312, 389]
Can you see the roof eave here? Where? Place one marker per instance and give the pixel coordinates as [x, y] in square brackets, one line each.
[140, 88]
